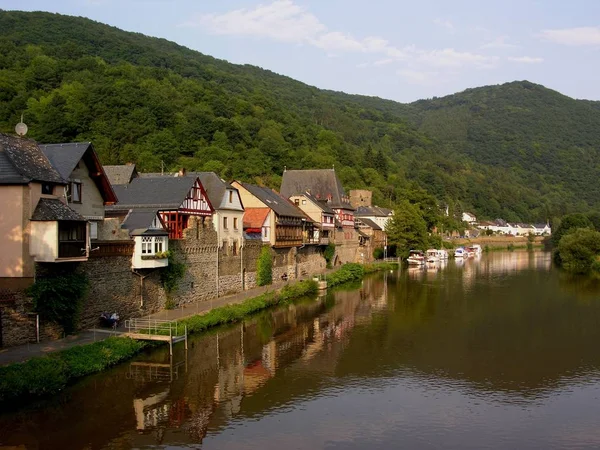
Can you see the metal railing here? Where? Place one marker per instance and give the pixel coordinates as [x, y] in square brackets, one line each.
[152, 326]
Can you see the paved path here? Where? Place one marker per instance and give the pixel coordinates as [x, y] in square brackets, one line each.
[22, 353]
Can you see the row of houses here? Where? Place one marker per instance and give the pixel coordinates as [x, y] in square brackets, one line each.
[59, 204]
[500, 226]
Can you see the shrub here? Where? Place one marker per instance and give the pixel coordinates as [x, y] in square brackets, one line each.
[170, 275]
[328, 254]
[578, 251]
[264, 268]
[58, 299]
[378, 253]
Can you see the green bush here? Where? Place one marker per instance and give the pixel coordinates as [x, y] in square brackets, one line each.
[58, 299]
[170, 275]
[328, 254]
[264, 268]
[578, 251]
[378, 253]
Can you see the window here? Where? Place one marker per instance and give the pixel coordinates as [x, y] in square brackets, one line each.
[297, 202]
[146, 245]
[93, 230]
[230, 196]
[46, 189]
[304, 202]
[158, 244]
[224, 223]
[234, 248]
[74, 192]
[235, 223]
[225, 247]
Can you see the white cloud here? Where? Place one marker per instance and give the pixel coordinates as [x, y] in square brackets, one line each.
[383, 62]
[281, 20]
[449, 57]
[526, 59]
[419, 77]
[445, 23]
[573, 36]
[362, 65]
[337, 41]
[499, 43]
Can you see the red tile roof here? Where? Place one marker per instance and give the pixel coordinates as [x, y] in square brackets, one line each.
[255, 217]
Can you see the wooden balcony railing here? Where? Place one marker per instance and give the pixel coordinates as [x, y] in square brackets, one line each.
[111, 248]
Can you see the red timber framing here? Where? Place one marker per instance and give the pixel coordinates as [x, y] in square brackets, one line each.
[196, 203]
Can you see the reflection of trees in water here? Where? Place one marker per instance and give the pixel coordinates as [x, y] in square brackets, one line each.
[585, 288]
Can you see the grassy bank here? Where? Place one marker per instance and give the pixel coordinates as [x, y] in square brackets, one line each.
[50, 374]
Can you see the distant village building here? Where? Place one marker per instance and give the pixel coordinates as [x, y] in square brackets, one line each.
[469, 218]
[381, 216]
[361, 197]
[500, 226]
[320, 213]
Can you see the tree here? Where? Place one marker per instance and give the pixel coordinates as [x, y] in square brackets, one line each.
[570, 223]
[407, 229]
[264, 268]
[579, 250]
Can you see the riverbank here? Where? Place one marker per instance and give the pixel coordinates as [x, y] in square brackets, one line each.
[47, 375]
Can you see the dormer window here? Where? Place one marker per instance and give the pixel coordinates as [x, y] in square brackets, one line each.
[46, 189]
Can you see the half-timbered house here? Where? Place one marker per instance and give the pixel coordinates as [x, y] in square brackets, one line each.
[175, 199]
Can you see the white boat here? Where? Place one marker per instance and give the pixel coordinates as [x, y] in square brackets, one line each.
[415, 258]
[442, 255]
[477, 249]
[432, 255]
[460, 252]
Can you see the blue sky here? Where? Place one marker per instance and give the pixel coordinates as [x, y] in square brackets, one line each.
[389, 48]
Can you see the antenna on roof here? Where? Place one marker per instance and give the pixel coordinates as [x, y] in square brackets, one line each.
[21, 128]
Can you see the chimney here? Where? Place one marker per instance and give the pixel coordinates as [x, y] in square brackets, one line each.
[182, 172]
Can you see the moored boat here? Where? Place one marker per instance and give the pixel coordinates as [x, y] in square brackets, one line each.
[442, 255]
[416, 258]
[460, 252]
[432, 255]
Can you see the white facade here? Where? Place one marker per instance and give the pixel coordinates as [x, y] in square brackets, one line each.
[149, 251]
[228, 219]
[468, 217]
[44, 241]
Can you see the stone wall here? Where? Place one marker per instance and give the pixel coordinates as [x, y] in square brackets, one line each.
[346, 247]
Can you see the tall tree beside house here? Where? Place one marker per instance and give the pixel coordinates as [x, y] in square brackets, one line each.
[407, 229]
[264, 268]
[568, 224]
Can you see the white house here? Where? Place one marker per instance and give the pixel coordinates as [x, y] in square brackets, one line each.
[150, 236]
[468, 217]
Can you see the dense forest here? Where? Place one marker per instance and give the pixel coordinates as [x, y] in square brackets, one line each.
[517, 151]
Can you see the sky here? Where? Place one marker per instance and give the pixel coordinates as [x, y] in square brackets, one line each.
[393, 49]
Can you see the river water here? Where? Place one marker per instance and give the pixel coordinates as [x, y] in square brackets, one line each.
[502, 352]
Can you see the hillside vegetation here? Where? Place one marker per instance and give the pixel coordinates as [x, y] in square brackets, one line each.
[146, 100]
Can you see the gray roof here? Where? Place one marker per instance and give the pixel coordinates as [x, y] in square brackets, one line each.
[64, 157]
[322, 183]
[22, 161]
[320, 203]
[369, 223]
[51, 209]
[139, 221]
[120, 174]
[376, 211]
[278, 203]
[214, 186]
[157, 193]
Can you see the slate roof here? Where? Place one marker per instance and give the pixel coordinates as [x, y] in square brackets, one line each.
[64, 157]
[122, 174]
[22, 161]
[139, 221]
[376, 211]
[320, 203]
[277, 202]
[214, 186]
[369, 223]
[153, 193]
[255, 217]
[51, 209]
[322, 183]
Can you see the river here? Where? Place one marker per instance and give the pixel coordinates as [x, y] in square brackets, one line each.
[502, 352]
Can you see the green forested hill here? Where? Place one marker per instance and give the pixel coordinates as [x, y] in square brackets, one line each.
[151, 101]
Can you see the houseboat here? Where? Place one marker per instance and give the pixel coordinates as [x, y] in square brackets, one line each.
[432, 255]
[442, 255]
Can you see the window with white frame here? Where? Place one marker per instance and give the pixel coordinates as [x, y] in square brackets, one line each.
[93, 230]
[146, 245]
[158, 244]
[153, 244]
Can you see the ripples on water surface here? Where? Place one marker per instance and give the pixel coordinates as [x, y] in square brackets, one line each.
[501, 352]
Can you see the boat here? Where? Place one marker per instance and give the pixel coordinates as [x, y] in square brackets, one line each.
[477, 249]
[442, 255]
[432, 255]
[460, 252]
[415, 258]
